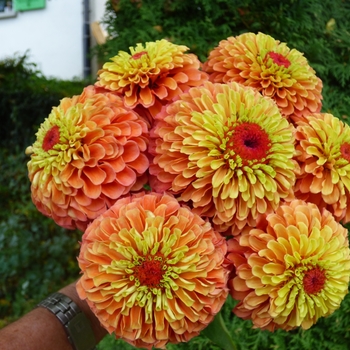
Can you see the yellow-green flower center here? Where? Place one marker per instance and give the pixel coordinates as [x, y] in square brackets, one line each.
[149, 269]
[59, 139]
[149, 60]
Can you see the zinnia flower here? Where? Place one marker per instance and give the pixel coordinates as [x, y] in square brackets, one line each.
[227, 150]
[152, 271]
[292, 270]
[260, 61]
[323, 144]
[152, 74]
[89, 152]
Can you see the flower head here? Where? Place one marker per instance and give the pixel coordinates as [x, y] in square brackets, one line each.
[259, 61]
[323, 152]
[89, 152]
[151, 74]
[226, 150]
[152, 271]
[292, 270]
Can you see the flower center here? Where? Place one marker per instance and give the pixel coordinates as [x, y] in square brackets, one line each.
[250, 142]
[150, 273]
[279, 59]
[345, 151]
[314, 281]
[51, 138]
[138, 55]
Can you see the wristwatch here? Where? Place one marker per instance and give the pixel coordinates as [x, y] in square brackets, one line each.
[76, 324]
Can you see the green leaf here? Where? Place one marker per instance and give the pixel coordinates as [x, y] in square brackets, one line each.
[219, 334]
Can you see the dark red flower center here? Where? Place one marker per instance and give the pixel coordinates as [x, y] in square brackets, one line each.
[150, 273]
[279, 59]
[138, 55]
[314, 281]
[250, 142]
[51, 138]
[345, 151]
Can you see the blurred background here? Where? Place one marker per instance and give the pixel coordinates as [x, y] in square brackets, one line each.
[55, 34]
[51, 49]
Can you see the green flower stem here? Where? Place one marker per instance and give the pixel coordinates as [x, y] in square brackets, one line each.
[218, 333]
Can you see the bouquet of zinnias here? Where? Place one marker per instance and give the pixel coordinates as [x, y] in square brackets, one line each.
[195, 181]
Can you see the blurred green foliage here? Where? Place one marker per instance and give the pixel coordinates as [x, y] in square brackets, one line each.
[36, 256]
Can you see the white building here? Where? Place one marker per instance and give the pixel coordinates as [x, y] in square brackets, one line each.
[55, 34]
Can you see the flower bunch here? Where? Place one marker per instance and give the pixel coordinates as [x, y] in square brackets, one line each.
[192, 181]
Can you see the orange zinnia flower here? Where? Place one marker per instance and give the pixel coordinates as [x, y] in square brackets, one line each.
[292, 270]
[89, 152]
[152, 74]
[152, 271]
[227, 150]
[323, 145]
[259, 61]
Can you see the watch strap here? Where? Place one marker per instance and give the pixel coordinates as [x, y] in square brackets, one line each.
[76, 324]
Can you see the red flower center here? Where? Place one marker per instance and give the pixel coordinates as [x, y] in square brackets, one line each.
[279, 59]
[250, 142]
[51, 138]
[345, 151]
[150, 273]
[314, 281]
[138, 55]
